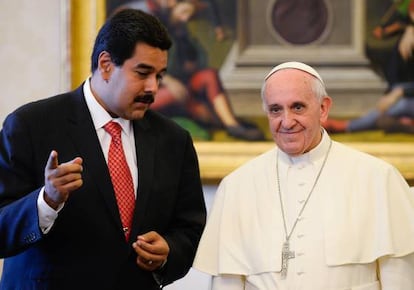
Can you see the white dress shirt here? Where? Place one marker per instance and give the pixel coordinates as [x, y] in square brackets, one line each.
[100, 117]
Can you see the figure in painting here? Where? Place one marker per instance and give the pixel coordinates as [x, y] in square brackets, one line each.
[192, 89]
[394, 111]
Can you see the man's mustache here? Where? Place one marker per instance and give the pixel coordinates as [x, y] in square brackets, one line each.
[146, 99]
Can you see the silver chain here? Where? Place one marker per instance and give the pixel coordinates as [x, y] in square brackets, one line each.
[307, 199]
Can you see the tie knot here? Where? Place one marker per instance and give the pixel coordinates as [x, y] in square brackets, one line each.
[113, 128]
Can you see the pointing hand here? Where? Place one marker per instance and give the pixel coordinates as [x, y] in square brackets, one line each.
[61, 179]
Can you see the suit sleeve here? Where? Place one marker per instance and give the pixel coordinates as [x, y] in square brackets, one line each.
[19, 226]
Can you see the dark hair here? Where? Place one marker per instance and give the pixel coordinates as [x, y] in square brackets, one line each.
[122, 31]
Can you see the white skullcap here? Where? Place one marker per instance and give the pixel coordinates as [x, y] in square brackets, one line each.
[295, 65]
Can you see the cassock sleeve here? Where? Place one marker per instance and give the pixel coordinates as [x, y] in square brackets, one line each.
[396, 273]
[370, 214]
[228, 282]
[242, 234]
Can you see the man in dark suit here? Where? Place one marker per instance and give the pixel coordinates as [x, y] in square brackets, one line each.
[60, 227]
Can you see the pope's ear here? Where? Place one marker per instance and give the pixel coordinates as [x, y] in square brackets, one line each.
[325, 107]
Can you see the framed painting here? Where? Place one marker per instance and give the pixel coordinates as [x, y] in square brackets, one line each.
[222, 49]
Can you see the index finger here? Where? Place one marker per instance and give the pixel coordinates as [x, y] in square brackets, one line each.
[52, 161]
[148, 237]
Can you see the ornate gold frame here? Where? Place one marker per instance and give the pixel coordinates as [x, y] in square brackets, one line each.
[217, 159]
[86, 17]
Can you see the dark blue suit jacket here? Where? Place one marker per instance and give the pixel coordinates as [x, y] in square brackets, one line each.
[86, 249]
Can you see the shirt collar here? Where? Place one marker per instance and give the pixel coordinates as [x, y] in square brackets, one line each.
[99, 115]
[313, 155]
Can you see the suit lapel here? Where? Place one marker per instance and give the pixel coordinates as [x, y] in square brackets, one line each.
[145, 149]
[84, 136]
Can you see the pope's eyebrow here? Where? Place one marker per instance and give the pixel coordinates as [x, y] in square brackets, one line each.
[295, 104]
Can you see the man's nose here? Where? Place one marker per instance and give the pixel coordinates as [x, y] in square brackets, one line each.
[152, 84]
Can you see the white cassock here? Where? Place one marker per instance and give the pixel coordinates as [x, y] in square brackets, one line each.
[356, 231]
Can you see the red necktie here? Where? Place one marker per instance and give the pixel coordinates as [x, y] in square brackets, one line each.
[121, 177]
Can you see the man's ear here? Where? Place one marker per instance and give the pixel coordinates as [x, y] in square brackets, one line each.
[105, 64]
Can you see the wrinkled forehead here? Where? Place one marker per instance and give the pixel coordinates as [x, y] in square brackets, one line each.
[289, 87]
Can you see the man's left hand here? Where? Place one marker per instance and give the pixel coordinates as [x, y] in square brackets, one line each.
[152, 250]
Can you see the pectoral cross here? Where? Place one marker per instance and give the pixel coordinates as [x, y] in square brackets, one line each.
[286, 255]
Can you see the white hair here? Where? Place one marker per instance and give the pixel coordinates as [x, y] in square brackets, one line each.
[318, 86]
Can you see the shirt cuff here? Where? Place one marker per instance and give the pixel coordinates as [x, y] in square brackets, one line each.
[157, 274]
[47, 215]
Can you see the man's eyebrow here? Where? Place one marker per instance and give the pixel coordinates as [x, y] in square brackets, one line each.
[144, 66]
[150, 67]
